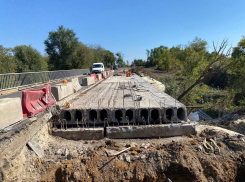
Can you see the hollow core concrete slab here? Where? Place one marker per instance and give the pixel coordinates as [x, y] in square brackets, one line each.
[150, 131]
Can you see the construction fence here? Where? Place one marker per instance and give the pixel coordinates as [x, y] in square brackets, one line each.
[17, 80]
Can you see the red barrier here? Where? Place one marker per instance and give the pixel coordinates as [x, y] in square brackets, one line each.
[104, 75]
[48, 99]
[94, 75]
[35, 101]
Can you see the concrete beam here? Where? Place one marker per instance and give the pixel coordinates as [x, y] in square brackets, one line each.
[88, 81]
[11, 111]
[62, 90]
[80, 134]
[150, 131]
[99, 76]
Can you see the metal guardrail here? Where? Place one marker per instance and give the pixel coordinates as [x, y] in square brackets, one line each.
[17, 80]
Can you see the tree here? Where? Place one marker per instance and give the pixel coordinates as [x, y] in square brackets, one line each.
[139, 62]
[158, 57]
[7, 60]
[120, 59]
[100, 52]
[29, 59]
[219, 62]
[109, 58]
[238, 52]
[237, 71]
[240, 49]
[61, 47]
[84, 56]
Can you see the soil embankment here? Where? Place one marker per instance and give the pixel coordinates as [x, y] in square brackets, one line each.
[182, 158]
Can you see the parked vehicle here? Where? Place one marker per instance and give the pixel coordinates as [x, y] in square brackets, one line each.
[115, 67]
[98, 68]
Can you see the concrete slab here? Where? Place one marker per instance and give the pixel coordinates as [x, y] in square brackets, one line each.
[99, 76]
[150, 131]
[88, 81]
[62, 90]
[128, 97]
[80, 134]
[10, 111]
[76, 85]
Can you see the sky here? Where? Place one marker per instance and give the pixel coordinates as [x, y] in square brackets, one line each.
[126, 26]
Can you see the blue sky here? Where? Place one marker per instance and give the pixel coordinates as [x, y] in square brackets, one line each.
[127, 26]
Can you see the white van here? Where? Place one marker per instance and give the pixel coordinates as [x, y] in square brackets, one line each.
[98, 68]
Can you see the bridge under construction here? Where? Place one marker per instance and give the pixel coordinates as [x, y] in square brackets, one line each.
[92, 107]
[122, 107]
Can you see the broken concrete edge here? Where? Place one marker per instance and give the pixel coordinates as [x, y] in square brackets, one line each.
[80, 134]
[150, 131]
[12, 146]
[70, 97]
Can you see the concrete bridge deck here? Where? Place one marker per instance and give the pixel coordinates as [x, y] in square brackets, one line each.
[120, 100]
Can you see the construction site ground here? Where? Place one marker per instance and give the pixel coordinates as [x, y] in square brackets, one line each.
[215, 153]
[176, 158]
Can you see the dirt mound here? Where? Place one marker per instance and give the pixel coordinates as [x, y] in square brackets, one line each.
[170, 159]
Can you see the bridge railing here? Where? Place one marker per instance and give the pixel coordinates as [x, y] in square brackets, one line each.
[17, 80]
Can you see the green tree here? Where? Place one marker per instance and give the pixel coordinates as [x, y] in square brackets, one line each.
[29, 59]
[197, 69]
[156, 57]
[139, 62]
[120, 59]
[109, 58]
[7, 60]
[237, 72]
[61, 47]
[84, 56]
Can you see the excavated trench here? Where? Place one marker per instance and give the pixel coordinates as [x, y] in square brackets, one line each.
[175, 159]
